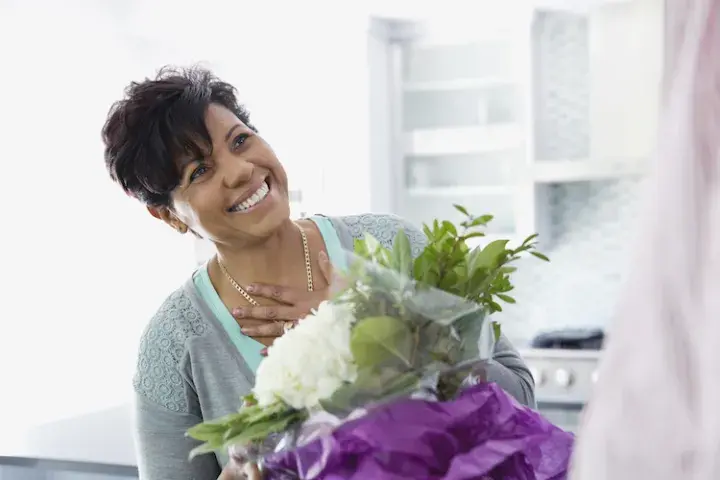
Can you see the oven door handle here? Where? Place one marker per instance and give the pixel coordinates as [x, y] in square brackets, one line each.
[560, 405]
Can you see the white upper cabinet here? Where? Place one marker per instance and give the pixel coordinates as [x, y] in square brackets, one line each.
[489, 109]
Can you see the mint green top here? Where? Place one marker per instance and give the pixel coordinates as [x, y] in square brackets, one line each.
[248, 347]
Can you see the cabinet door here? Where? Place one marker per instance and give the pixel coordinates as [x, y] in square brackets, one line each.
[626, 66]
[460, 103]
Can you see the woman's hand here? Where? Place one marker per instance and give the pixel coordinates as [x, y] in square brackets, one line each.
[293, 304]
[236, 471]
[239, 468]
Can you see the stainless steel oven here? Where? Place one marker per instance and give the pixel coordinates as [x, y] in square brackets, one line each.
[564, 382]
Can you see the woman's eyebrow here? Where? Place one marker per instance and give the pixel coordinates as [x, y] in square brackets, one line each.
[184, 162]
[230, 132]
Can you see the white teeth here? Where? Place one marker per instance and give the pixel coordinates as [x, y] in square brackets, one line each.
[254, 198]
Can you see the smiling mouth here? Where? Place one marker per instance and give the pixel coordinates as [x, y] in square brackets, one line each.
[255, 198]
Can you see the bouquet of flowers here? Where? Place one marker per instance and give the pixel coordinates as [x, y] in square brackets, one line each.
[380, 382]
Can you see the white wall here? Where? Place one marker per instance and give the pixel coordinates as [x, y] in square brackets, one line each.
[86, 266]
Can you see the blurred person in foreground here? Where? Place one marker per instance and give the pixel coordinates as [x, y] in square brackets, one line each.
[656, 410]
[183, 145]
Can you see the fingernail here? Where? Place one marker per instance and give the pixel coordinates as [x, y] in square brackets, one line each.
[245, 331]
[263, 352]
[322, 256]
[250, 288]
[238, 312]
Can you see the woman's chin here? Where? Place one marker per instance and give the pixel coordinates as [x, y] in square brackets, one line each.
[265, 223]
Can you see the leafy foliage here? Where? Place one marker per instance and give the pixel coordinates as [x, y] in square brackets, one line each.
[481, 275]
[447, 335]
[251, 425]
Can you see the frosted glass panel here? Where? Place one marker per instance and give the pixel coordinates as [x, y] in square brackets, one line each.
[459, 108]
[492, 169]
[426, 208]
[453, 62]
[562, 86]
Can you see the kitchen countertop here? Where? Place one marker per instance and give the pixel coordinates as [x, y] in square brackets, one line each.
[40, 464]
[101, 439]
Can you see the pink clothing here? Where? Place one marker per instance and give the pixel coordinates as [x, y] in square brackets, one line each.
[656, 410]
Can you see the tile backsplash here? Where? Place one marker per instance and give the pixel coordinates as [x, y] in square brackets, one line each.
[561, 91]
[593, 226]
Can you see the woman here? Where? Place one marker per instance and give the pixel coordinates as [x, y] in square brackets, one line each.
[183, 145]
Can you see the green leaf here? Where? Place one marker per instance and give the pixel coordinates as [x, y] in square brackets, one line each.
[470, 235]
[381, 340]
[480, 221]
[207, 431]
[540, 256]
[400, 385]
[259, 431]
[425, 267]
[530, 239]
[343, 400]
[360, 248]
[477, 282]
[382, 384]
[372, 244]
[426, 230]
[495, 249]
[461, 209]
[449, 281]
[449, 228]
[487, 257]
[204, 449]
[506, 298]
[468, 329]
[497, 330]
[402, 260]
[495, 306]
[238, 429]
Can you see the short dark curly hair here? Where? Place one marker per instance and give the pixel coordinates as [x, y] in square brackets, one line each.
[159, 121]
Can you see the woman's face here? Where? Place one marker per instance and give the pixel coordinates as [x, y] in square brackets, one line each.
[239, 192]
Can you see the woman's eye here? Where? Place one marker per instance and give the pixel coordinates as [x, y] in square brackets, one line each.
[199, 171]
[240, 139]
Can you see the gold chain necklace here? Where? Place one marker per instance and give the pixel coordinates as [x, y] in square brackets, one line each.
[308, 271]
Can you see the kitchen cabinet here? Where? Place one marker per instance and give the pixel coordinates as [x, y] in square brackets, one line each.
[492, 110]
[457, 132]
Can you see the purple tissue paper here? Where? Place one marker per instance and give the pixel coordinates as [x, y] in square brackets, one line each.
[484, 434]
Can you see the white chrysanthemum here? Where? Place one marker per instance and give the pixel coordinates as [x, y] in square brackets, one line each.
[310, 362]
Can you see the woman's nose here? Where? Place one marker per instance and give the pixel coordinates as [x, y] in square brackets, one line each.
[236, 171]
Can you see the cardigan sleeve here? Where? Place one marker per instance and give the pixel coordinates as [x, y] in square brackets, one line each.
[166, 405]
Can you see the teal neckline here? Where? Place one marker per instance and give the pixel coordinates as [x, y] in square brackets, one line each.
[248, 347]
[334, 248]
